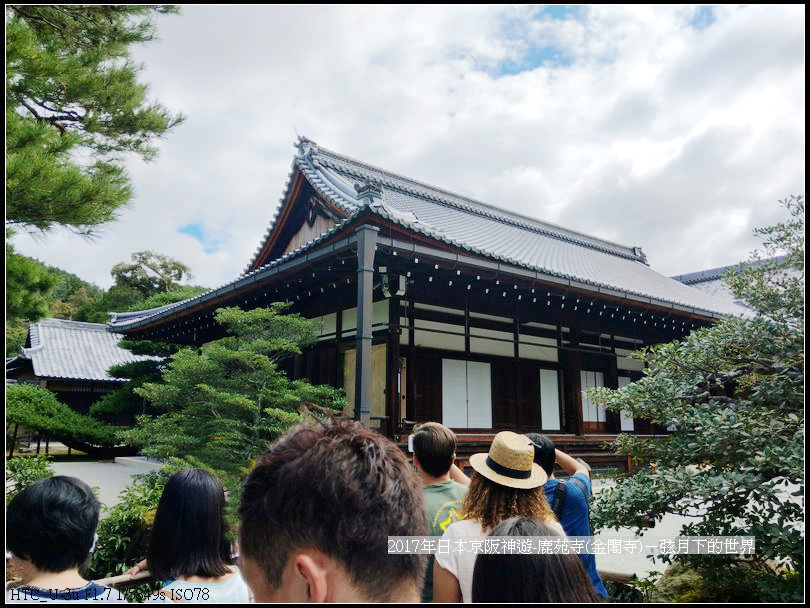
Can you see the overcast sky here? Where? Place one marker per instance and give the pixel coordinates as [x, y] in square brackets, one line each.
[673, 128]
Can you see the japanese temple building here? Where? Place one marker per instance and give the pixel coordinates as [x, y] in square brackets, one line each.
[435, 306]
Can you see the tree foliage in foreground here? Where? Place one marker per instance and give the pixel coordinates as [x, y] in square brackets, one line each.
[38, 409]
[734, 393]
[222, 404]
[71, 90]
[28, 286]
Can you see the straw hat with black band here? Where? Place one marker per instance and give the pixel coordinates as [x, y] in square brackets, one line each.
[510, 462]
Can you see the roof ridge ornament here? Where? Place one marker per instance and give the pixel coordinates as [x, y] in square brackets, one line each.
[305, 146]
[369, 193]
[640, 255]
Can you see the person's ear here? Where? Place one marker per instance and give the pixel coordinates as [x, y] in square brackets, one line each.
[314, 575]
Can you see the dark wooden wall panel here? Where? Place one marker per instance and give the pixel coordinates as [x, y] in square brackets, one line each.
[529, 397]
[426, 391]
[504, 395]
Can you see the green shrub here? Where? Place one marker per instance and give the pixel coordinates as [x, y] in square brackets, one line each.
[22, 471]
[220, 405]
[123, 536]
[744, 581]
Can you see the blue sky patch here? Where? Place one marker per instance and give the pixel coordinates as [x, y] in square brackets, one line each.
[560, 11]
[703, 18]
[535, 57]
[539, 53]
[196, 231]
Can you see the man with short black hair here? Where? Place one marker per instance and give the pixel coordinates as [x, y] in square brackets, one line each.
[569, 499]
[434, 454]
[50, 532]
[317, 511]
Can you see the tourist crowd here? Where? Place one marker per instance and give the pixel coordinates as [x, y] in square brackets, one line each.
[316, 514]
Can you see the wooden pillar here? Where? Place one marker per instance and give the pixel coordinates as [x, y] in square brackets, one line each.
[338, 338]
[562, 388]
[392, 406]
[613, 419]
[573, 367]
[366, 244]
[519, 421]
[409, 378]
[467, 326]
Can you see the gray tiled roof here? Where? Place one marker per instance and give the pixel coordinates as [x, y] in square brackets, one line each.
[75, 350]
[470, 225]
[499, 234]
[334, 176]
[717, 288]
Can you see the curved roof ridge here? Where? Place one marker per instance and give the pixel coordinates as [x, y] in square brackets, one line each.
[322, 179]
[321, 167]
[467, 203]
[122, 316]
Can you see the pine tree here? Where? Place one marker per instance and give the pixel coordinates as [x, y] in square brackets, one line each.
[220, 405]
[72, 87]
[733, 396]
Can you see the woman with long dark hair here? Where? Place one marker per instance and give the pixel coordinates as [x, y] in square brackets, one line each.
[188, 549]
[530, 577]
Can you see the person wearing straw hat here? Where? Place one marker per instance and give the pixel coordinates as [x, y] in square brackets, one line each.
[506, 483]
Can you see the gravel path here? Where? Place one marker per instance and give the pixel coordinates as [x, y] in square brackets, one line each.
[637, 562]
[109, 477]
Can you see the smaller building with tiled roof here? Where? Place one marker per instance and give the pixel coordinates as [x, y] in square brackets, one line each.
[72, 359]
[712, 281]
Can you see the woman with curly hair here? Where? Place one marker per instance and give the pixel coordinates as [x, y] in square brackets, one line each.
[506, 483]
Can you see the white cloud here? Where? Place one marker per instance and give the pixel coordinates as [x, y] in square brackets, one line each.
[653, 132]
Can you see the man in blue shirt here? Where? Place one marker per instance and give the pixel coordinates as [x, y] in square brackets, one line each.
[569, 499]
